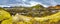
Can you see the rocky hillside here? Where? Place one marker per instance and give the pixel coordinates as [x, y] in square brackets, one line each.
[34, 11]
[54, 7]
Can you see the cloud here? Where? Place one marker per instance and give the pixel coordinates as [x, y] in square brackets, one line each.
[53, 2]
[33, 3]
[4, 6]
[24, 0]
[45, 3]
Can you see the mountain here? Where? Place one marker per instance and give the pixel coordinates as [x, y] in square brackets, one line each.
[19, 9]
[54, 7]
[35, 6]
[57, 6]
[38, 6]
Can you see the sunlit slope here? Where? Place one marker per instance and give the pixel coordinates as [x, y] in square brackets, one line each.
[8, 21]
[21, 17]
[51, 18]
[4, 14]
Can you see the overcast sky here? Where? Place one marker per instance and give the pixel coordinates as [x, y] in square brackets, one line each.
[28, 2]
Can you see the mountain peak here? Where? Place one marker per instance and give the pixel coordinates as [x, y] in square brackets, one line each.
[38, 6]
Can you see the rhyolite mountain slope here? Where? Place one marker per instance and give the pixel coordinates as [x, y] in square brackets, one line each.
[54, 7]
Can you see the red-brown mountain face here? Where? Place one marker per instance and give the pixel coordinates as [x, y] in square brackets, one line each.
[57, 6]
[54, 7]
